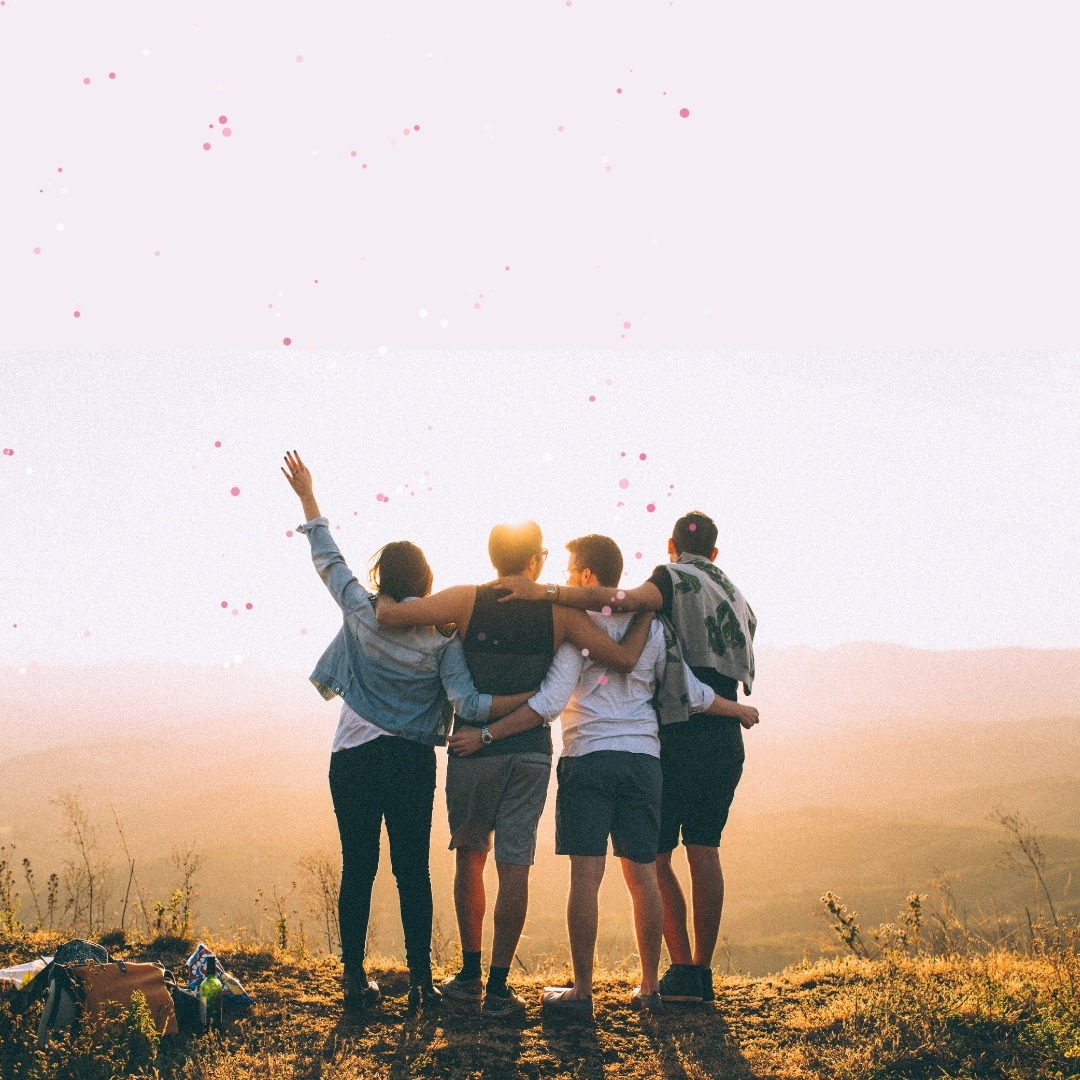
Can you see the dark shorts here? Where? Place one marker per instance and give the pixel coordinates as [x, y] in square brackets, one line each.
[703, 762]
[608, 793]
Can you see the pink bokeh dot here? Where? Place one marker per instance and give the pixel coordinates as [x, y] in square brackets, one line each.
[605, 610]
[506, 267]
[602, 680]
[618, 504]
[86, 82]
[300, 60]
[234, 491]
[637, 555]
[624, 484]
[477, 306]
[206, 146]
[112, 74]
[8, 452]
[352, 153]
[609, 382]
[78, 314]
[234, 612]
[592, 397]
[157, 253]
[86, 633]
[641, 457]
[222, 119]
[481, 636]
[226, 132]
[416, 127]
[363, 165]
[693, 527]
[224, 603]
[288, 532]
[626, 326]
[60, 170]
[569, 3]
[218, 443]
[684, 113]
[651, 507]
[303, 633]
[286, 341]
[618, 90]
[561, 128]
[622, 453]
[37, 251]
[249, 606]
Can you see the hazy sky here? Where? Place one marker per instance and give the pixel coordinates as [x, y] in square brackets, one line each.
[879, 202]
[929, 500]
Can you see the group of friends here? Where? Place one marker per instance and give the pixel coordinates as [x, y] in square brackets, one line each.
[645, 681]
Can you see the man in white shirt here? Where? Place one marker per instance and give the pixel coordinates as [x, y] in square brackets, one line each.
[610, 780]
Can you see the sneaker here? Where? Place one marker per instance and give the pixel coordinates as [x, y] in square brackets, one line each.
[358, 997]
[423, 996]
[462, 991]
[681, 982]
[555, 1002]
[707, 992]
[646, 1003]
[503, 1006]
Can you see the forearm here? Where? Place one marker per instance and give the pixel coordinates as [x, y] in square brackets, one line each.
[522, 719]
[331, 566]
[598, 597]
[310, 507]
[504, 704]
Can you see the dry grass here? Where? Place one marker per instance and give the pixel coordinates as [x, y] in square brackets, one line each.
[1000, 1016]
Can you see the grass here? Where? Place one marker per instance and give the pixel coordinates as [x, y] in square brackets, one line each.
[1000, 1015]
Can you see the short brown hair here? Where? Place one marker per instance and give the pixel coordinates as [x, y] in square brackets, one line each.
[695, 533]
[400, 569]
[512, 546]
[601, 555]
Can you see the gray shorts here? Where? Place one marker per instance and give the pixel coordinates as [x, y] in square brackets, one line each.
[503, 794]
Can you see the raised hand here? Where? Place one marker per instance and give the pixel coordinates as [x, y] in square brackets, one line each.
[296, 472]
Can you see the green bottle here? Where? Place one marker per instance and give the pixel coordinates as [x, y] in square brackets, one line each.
[210, 997]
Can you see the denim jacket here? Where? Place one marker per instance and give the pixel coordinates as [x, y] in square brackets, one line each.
[399, 678]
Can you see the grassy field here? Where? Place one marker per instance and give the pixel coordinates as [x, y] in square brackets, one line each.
[997, 1015]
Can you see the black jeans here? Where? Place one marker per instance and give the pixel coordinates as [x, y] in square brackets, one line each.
[389, 778]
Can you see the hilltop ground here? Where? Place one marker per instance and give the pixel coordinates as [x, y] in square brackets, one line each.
[1000, 1016]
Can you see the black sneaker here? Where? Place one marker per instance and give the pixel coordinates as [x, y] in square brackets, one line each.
[707, 992]
[462, 991]
[360, 993]
[424, 996]
[681, 982]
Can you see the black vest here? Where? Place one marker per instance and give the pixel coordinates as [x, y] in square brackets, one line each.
[509, 648]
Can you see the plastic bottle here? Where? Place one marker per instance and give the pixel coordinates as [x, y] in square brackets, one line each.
[210, 997]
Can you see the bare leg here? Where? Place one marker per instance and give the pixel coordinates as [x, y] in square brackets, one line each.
[648, 919]
[707, 890]
[510, 907]
[582, 917]
[674, 902]
[470, 901]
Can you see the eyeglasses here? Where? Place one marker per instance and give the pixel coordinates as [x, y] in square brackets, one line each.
[572, 570]
[543, 554]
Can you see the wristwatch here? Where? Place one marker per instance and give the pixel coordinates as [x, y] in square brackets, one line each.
[551, 592]
[486, 737]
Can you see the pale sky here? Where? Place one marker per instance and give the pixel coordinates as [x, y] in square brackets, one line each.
[820, 252]
[928, 500]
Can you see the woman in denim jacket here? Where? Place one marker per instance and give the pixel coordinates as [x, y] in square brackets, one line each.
[399, 689]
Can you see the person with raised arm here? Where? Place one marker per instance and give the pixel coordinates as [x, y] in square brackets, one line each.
[397, 687]
[500, 790]
[610, 774]
[702, 760]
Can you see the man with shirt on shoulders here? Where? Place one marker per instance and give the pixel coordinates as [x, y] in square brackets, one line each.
[702, 759]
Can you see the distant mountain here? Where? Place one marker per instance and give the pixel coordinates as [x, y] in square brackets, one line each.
[798, 689]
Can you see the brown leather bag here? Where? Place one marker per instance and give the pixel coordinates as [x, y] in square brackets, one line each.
[117, 981]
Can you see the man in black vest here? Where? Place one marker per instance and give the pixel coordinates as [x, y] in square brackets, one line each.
[702, 759]
[500, 790]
